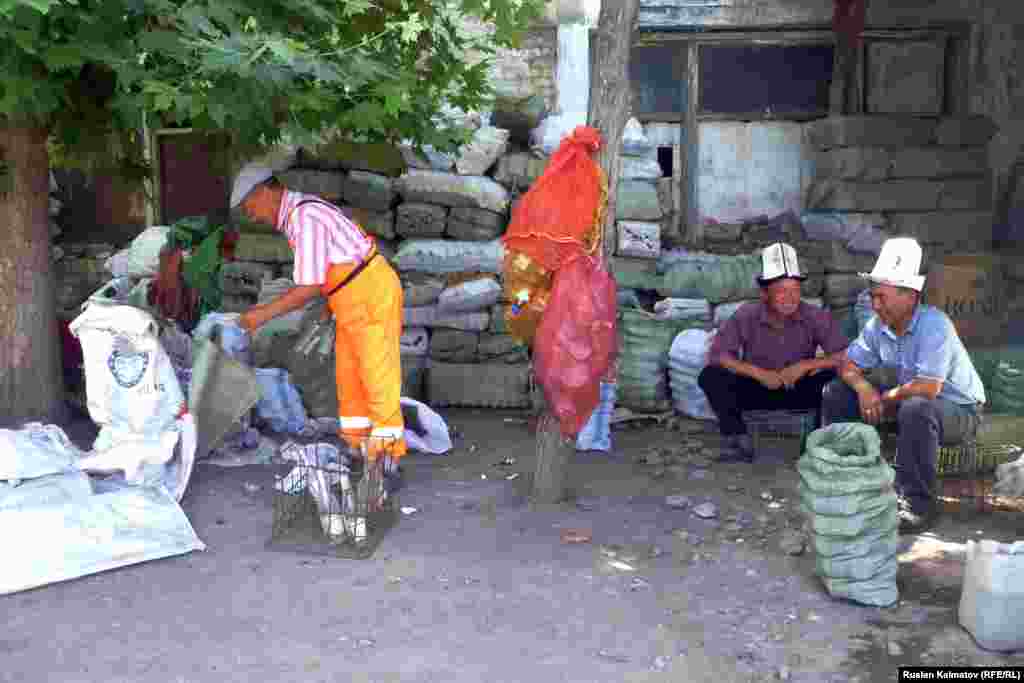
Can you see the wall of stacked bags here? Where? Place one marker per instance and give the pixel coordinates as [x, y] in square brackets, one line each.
[438, 219]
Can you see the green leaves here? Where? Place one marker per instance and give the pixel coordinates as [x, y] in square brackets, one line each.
[8, 7]
[372, 69]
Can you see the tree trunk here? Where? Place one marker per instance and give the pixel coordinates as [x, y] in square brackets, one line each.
[31, 384]
[611, 96]
[553, 453]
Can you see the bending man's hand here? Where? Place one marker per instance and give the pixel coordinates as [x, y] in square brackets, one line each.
[871, 406]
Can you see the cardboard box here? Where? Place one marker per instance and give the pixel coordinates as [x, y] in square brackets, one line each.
[971, 289]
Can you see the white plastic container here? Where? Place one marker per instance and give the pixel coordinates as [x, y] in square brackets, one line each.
[992, 601]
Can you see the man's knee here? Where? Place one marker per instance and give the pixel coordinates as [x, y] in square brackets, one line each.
[838, 403]
[836, 391]
[713, 377]
[916, 410]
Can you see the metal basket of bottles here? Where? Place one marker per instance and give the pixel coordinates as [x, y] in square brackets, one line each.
[332, 501]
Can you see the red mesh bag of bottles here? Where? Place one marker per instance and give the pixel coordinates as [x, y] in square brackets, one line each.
[576, 341]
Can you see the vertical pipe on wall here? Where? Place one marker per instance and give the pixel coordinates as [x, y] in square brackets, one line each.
[573, 72]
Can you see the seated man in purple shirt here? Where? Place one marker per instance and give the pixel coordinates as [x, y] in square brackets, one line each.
[764, 357]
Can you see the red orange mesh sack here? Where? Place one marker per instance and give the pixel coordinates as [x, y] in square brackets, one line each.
[558, 219]
[576, 341]
[555, 219]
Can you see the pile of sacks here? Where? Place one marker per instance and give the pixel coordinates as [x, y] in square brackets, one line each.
[645, 342]
[1006, 389]
[454, 325]
[847, 496]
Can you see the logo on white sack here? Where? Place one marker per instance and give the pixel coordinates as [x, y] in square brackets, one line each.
[127, 365]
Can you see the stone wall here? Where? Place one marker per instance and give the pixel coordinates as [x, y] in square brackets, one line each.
[994, 63]
[924, 178]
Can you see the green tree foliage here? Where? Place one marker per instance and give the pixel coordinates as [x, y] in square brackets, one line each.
[79, 79]
[90, 70]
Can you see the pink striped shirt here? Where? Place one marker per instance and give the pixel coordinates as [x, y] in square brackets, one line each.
[320, 235]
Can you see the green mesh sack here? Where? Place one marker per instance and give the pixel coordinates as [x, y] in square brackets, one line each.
[847, 439]
[853, 526]
[878, 591]
[844, 547]
[862, 568]
[643, 383]
[728, 278]
[823, 473]
[1006, 389]
[735, 280]
[867, 502]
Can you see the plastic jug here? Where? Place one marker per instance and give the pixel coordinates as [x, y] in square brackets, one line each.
[992, 601]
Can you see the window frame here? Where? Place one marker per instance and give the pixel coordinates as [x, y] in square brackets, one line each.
[955, 37]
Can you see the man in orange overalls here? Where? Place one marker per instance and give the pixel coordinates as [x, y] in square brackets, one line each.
[336, 259]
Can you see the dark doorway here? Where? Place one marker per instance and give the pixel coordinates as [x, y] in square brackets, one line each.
[192, 181]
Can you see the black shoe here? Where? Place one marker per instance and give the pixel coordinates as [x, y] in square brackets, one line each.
[916, 519]
[737, 448]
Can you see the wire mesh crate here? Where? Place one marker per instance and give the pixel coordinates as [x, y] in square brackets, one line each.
[784, 431]
[966, 470]
[330, 503]
[972, 457]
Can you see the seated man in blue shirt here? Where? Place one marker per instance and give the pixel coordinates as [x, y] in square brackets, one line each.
[938, 395]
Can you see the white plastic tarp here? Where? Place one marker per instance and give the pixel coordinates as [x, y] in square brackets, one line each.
[56, 522]
[66, 531]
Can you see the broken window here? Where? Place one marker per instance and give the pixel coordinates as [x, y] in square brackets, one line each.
[658, 77]
[777, 81]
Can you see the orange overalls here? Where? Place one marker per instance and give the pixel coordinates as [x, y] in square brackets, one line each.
[366, 301]
[368, 326]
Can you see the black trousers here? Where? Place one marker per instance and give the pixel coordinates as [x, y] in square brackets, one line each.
[730, 394]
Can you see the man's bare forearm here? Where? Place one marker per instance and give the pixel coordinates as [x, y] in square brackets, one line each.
[740, 367]
[830, 362]
[851, 374]
[292, 300]
[923, 388]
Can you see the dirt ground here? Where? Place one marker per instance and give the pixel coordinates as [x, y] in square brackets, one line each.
[477, 584]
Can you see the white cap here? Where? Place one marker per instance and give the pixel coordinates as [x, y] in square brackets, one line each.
[899, 264]
[779, 260]
[260, 170]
